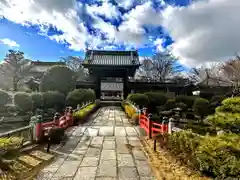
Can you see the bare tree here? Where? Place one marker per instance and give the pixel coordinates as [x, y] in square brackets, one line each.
[164, 66]
[231, 73]
[15, 67]
[206, 75]
[160, 67]
[145, 70]
[75, 64]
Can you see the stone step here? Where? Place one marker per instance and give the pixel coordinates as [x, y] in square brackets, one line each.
[41, 155]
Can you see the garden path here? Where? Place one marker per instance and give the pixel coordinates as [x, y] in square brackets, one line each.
[106, 147]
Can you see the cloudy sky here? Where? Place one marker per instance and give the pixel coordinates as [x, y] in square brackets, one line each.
[195, 31]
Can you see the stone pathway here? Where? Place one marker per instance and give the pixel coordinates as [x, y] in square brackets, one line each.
[105, 148]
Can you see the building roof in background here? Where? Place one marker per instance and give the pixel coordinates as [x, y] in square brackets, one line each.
[42, 63]
[116, 58]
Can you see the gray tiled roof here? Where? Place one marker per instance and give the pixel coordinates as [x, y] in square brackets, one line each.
[112, 57]
[107, 86]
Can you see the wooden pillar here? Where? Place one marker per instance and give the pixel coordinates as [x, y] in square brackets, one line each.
[125, 86]
[98, 88]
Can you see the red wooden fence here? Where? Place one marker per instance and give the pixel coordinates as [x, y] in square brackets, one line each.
[152, 128]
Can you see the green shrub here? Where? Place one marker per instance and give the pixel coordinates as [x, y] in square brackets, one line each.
[75, 97]
[4, 97]
[37, 99]
[80, 96]
[188, 100]
[81, 114]
[23, 102]
[139, 99]
[11, 109]
[183, 145]
[54, 99]
[89, 95]
[170, 104]
[227, 115]
[156, 98]
[11, 143]
[219, 156]
[182, 106]
[58, 78]
[201, 107]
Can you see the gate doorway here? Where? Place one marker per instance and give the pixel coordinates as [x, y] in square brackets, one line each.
[116, 64]
[112, 89]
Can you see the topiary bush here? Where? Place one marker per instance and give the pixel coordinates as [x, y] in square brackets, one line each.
[170, 104]
[58, 78]
[75, 97]
[37, 99]
[188, 100]
[54, 99]
[201, 107]
[23, 102]
[4, 97]
[89, 95]
[80, 96]
[155, 99]
[139, 99]
[227, 116]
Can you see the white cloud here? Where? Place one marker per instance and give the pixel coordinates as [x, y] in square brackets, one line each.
[205, 31]
[131, 30]
[60, 14]
[9, 42]
[159, 45]
[125, 3]
[107, 9]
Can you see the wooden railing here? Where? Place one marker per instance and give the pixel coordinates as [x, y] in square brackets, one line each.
[24, 132]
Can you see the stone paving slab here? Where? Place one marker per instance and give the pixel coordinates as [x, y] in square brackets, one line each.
[107, 147]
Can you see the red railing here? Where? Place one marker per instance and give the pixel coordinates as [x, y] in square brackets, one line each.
[152, 128]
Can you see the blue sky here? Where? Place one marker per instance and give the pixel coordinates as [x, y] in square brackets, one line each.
[46, 30]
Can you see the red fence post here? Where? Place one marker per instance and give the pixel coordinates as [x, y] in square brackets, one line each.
[150, 126]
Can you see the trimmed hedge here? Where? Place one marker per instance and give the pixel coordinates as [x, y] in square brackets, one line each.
[54, 99]
[156, 98]
[170, 104]
[82, 113]
[37, 99]
[188, 100]
[80, 96]
[4, 97]
[23, 102]
[130, 111]
[139, 99]
[201, 107]
[58, 78]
